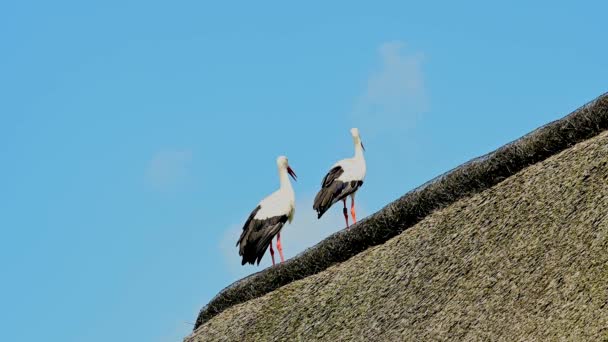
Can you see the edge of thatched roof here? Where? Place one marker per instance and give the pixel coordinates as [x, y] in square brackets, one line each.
[467, 179]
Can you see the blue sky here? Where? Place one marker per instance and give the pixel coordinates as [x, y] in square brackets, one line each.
[136, 136]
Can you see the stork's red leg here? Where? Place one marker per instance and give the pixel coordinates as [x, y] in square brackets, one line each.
[345, 212]
[272, 253]
[352, 209]
[279, 247]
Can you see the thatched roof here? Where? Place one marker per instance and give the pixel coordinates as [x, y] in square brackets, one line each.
[494, 250]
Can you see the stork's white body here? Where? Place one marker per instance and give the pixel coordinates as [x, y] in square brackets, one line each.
[343, 180]
[354, 168]
[267, 219]
[280, 202]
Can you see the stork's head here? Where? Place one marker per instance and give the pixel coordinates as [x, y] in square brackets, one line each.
[356, 137]
[283, 163]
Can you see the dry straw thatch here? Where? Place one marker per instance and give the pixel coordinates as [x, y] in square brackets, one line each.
[491, 258]
[524, 260]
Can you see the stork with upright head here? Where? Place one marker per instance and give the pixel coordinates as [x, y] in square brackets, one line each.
[267, 219]
[344, 179]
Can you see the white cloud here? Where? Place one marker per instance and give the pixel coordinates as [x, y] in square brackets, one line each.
[168, 169]
[395, 94]
[305, 231]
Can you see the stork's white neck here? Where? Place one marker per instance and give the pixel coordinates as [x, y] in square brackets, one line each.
[358, 151]
[284, 178]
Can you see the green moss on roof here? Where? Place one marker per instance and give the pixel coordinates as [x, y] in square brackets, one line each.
[526, 259]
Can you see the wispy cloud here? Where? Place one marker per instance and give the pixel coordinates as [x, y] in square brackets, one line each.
[305, 231]
[395, 94]
[168, 169]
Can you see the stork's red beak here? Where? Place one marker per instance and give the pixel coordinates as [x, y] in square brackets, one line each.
[291, 173]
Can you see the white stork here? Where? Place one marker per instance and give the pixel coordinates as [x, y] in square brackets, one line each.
[344, 179]
[267, 219]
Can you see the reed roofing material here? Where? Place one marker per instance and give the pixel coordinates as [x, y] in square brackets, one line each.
[525, 260]
[464, 181]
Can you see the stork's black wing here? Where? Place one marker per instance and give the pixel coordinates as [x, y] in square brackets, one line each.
[333, 190]
[257, 235]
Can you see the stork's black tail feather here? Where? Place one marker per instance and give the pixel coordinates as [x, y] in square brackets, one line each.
[257, 236]
[334, 192]
[323, 201]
